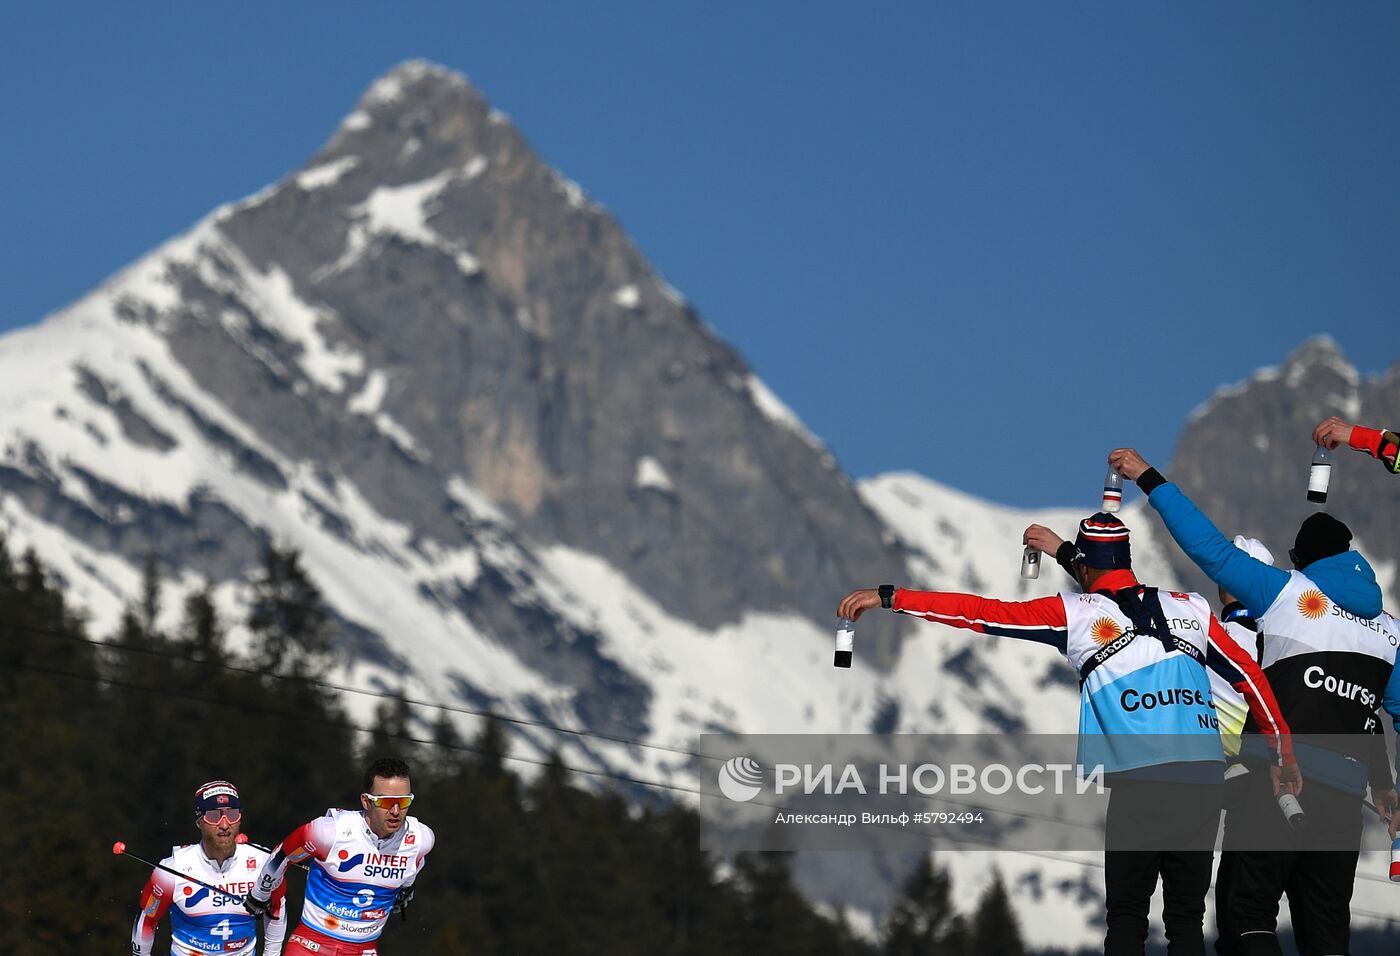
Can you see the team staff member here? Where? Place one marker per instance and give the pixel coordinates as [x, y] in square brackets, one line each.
[1382, 445]
[1329, 653]
[1231, 708]
[366, 863]
[202, 921]
[1131, 644]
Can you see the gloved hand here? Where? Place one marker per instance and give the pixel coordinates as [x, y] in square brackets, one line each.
[401, 902]
[257, 907]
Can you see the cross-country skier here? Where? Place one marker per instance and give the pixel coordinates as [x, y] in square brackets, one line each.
[364, 864]
[202, 921]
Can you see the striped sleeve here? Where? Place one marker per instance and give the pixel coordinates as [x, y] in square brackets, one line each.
[313, 839]
[1041, 620]
[1235, 664]
[155, 900]
[275, 923]
[428, 841]
[1382, 445]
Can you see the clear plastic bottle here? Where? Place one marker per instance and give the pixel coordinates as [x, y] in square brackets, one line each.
[1112, 491]
[1030, 563]
[845, 642]
[1319, 475]
[1395, 860]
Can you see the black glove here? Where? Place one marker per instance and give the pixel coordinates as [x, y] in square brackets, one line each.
[401, 902]
[256, 906]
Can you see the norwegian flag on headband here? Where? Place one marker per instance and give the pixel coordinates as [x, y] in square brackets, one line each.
[214, 795]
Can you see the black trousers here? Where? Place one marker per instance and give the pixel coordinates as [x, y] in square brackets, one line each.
[1159, 831]
[1237, 807]
[1309, 866]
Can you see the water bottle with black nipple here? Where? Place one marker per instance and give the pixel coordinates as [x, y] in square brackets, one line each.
[845, 642]
[1319, 475]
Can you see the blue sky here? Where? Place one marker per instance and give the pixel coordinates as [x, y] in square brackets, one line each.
[985, 242]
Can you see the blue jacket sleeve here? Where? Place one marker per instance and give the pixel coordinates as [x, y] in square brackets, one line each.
[1254, 583]
[1391, 703]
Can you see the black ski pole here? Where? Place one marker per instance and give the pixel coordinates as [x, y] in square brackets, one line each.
[119, 849]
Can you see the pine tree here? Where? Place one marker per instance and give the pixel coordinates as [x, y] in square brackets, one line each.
[290, 624]
[994, 926]
[389, 735]
[923, 919]
[292, 645]
[201, 632]
[57, 765]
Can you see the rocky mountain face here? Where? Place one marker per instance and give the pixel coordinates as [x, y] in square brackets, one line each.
[515, 331]
[1244, 456]
[429, 319]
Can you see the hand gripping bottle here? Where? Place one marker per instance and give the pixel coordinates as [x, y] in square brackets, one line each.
[1319, 475]
[1112, 491]
[845, 642]
[1030, 563]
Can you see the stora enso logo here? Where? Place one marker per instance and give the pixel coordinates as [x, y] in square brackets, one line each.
[740, 779]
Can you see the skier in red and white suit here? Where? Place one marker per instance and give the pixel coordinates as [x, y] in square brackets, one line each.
[202, 921]
[364, 864]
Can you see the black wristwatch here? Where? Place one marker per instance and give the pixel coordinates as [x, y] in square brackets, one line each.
[886, 595]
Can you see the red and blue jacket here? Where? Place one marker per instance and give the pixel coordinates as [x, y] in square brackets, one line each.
[355, 875]
[1145, 698]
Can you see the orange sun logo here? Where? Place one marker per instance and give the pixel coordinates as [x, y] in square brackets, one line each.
[1312, 604]
[1104, 631]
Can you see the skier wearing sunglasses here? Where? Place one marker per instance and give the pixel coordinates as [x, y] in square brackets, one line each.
[363, 864]
[201, 921]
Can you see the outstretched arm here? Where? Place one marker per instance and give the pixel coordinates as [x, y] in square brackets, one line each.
[1382, 445]
[1253, 582]
[1041, 620]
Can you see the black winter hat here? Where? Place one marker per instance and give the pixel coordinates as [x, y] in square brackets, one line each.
[1319, 536]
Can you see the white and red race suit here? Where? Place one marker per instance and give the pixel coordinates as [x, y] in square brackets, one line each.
[353, 881]
[202, 921]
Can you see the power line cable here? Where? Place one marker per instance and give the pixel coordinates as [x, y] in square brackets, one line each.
[463, 748]
[341, 725]
[333, 686]
[451, 708]
[346, 688]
